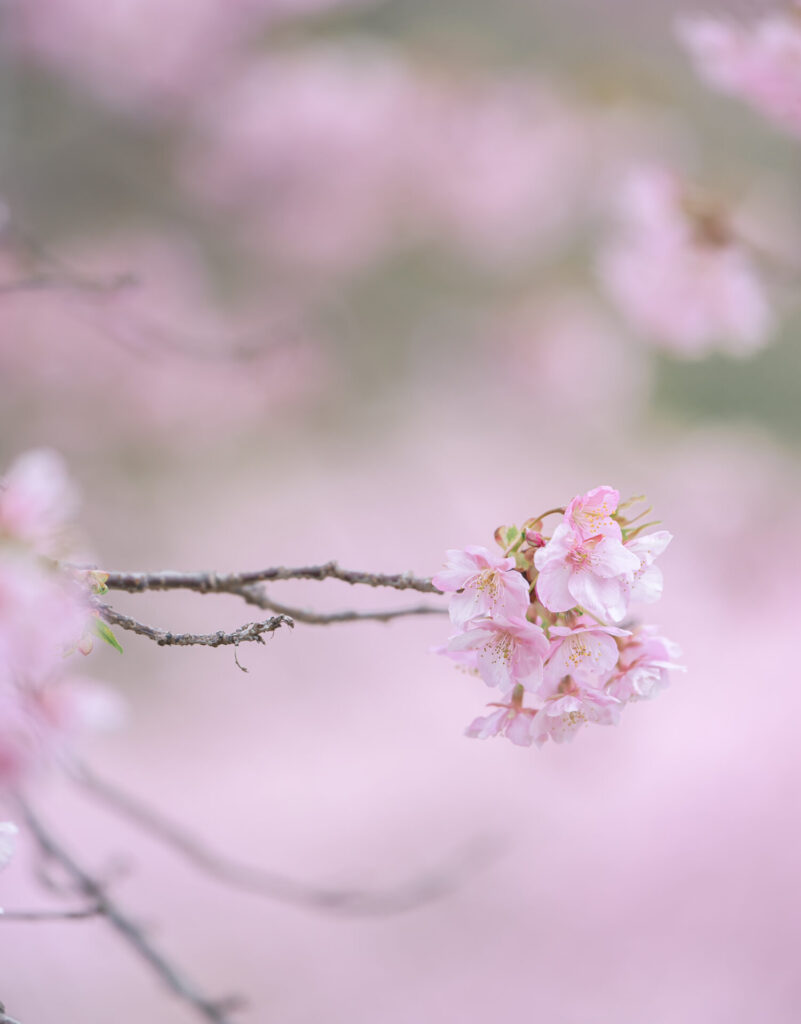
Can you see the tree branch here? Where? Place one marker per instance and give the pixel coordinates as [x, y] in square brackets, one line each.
[210, 1010]
[228, 583]
[271, 885]
[257, 596]
[251, 631]
[53, 282]
[92, 910]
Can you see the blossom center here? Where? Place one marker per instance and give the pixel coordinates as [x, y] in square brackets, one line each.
[501, 647]
[487, 582]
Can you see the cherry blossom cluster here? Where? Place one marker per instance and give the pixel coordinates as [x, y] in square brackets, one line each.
[44, 618]
[548, 622]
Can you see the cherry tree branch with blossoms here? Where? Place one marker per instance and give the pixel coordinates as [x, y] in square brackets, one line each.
[543, 621]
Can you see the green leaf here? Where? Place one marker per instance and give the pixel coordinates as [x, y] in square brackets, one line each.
[104, 632]
[512, 535]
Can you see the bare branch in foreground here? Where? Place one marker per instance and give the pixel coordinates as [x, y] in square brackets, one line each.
[352, 902]
[258, 596]
[229, 583]
[211, 1010]
[251, 631]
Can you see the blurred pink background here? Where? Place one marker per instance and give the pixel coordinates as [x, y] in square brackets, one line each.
[291, 282]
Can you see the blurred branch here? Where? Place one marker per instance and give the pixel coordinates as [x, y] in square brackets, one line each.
[251, 631]
[131, 329]
[260, 882]
[232, 583]
[211, 1010]
[92, 910]
[50, 273]
[55, 282]
[258, 596]
[4, 1018]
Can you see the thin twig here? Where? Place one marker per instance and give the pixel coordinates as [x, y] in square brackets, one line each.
[93, 910]
[258, 596]
[251, 631]
[211, 1010]
[227, 583]
[53, 282]
[258, 881]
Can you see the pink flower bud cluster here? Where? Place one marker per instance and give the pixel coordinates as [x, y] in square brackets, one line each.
[543, 623]
[44, 616]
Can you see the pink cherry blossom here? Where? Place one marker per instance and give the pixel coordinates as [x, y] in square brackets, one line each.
[645, 662]
[489, 584]
[759, 63]
[679, 275]
[25, 741]
[585, 653]
[508, 654]
[510, 720]
[42, 616]
[37, 501]
[590, 514]
[646, 583]
[562, 716]
[522, 182]
[144, 56]
[38, 724]
[308, 150]
[7, 833]
[591, 573]
[588, 375]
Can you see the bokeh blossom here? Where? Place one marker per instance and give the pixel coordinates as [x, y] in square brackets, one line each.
[679, 274]
[328, 159]
[759, 63]
[37, 502]
[143, 56]
[45, 617]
